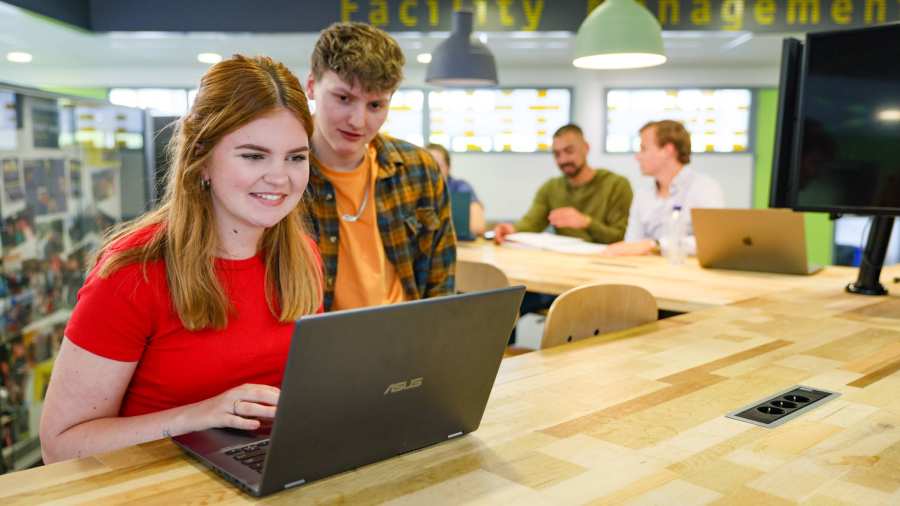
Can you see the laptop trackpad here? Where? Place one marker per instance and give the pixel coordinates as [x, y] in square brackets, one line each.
[209, 441]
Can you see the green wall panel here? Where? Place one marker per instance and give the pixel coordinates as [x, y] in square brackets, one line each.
[97, 93]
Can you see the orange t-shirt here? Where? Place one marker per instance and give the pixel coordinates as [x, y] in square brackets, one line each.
[365, 276]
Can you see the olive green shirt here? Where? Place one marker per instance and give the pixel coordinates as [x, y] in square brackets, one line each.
[606, 199]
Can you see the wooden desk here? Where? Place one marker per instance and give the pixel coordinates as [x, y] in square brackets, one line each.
[681, 288]
[635, 416]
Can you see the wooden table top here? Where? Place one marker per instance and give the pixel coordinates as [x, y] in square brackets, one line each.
[636, 417]
[681, 288]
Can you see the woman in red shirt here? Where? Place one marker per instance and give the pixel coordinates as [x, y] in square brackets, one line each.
[185, 320]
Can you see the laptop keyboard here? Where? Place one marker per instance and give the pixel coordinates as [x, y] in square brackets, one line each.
[252, 455]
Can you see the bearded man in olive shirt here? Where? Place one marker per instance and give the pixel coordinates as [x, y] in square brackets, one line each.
[591, 204]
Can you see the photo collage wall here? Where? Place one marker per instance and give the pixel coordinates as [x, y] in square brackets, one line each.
[59, 192]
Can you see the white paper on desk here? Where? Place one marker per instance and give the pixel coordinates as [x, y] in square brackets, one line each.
[553, 242]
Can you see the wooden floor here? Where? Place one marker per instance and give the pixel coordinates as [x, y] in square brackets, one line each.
[632, 418]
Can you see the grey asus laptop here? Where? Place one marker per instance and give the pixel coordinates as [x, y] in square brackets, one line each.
[460, 203]
[763, 240]
[364, 385]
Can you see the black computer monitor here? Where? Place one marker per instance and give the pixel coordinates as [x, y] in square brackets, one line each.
[845, 153]
[786, 123]
[848, 143]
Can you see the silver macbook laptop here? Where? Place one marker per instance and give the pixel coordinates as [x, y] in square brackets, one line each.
[763, 240]
[364, 385]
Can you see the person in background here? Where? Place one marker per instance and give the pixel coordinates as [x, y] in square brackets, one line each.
[185, 320]
[381, 210]
[584, 202]
[664, 156]
[591, 204]
[476, 210]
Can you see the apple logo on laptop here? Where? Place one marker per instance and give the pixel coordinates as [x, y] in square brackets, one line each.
[747, 241]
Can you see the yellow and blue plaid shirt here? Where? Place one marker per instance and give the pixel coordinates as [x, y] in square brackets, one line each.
[413, 213]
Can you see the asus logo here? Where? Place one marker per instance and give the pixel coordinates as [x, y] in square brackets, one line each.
[394, 388]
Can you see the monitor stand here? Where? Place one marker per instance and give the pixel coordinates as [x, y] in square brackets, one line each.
[873, 258]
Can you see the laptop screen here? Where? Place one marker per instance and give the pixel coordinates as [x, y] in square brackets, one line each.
[459, 209]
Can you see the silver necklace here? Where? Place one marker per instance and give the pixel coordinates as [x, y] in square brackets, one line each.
[362, 207]
[351, 218]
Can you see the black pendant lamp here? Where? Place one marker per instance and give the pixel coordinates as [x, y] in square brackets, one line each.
[461, 60]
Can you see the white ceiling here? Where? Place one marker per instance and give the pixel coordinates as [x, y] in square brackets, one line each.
[55, 45]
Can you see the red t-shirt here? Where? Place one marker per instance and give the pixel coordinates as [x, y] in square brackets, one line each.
[131, 319]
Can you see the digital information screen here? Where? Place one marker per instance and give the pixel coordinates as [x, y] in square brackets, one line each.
[520, 120]
[717, 119]
[405, 120]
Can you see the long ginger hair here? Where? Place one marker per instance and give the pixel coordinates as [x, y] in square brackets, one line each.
[232, 93]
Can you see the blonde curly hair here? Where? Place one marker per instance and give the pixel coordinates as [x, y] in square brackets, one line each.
[359, 54]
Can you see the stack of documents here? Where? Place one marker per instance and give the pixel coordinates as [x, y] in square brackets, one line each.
[553, 242]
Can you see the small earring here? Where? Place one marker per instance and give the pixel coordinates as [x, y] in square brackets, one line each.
[205, 184]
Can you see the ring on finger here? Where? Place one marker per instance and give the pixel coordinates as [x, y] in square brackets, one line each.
[234, 406]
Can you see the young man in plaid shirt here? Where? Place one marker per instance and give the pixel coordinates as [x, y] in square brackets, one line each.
[380, 210]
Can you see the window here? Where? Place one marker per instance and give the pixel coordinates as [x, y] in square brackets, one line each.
[109, 127]
[158, 101]
[717, 119]
[8, 120]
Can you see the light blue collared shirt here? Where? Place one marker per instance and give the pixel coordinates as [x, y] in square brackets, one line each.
[649, 213]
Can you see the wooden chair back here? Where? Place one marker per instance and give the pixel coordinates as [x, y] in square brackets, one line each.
[591, 310]
[478, 276]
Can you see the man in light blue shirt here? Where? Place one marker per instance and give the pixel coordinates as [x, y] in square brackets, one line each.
[664, 155]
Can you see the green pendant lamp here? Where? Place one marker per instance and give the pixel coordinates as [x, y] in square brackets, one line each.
[619, 34]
